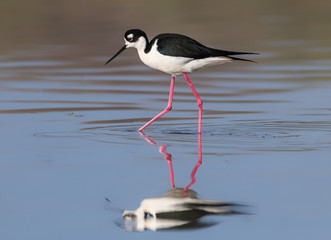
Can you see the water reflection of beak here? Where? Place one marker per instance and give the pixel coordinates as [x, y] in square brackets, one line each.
[118, 53]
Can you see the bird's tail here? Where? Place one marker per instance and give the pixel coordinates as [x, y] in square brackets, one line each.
[230, 53]
[242, 59]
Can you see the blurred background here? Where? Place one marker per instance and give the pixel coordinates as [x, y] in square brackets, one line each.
[99, 25]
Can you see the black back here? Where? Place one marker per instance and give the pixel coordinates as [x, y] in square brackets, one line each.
[171, 44]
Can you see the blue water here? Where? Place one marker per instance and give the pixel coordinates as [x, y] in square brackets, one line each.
[68, 123]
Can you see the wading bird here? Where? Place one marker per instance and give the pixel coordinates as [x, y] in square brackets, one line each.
[175, 54]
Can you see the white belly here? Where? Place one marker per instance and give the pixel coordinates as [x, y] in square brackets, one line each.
[177, 65]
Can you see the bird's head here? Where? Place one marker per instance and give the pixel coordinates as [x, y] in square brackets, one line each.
[134, 38]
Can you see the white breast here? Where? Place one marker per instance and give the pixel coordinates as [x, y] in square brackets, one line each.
[176, 65]
[167, 64]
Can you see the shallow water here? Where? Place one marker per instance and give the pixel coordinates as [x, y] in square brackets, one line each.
[72, 160]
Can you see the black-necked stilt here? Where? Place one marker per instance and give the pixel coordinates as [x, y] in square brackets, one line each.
[175, 54]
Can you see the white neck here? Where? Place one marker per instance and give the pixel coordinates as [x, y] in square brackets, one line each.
[140, 44]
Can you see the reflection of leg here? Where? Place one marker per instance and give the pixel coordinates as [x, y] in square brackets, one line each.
[167, 109]
[198, 100]
[147, 138]
[167, 157]
[195, 169]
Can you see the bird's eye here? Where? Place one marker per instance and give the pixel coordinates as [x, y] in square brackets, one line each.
[129, 37]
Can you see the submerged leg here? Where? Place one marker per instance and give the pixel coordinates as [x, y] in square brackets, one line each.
[198, 100]
[167, 109]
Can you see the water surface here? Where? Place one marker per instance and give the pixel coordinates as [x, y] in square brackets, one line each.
[68, 123]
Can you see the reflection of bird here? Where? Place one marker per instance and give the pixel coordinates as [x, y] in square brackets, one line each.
[177, 208]
[175, 54]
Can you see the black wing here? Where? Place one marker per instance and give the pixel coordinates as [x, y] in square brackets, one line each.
[183, 46]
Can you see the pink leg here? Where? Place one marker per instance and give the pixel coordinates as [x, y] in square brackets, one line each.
[167, 157]
[167, 109]
[197, 165]
[147, 138]
[198, 100]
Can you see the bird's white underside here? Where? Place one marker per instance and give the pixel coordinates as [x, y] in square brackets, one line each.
[172, 65]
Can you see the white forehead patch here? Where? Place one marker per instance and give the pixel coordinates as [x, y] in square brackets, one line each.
[130, 35]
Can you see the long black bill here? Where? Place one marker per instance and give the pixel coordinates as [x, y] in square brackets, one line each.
[121, 50]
